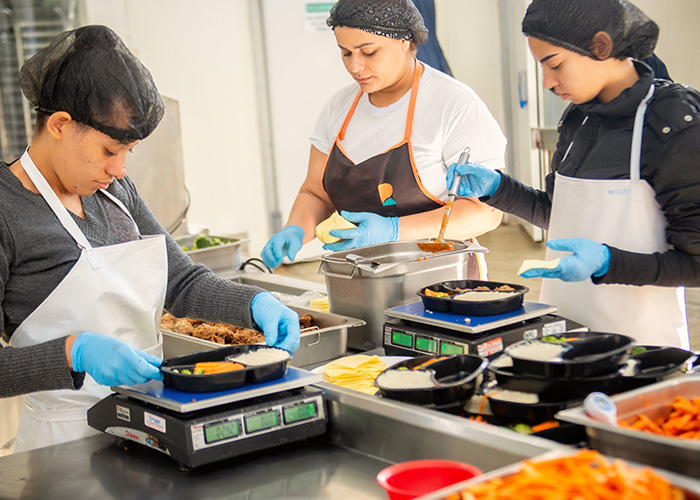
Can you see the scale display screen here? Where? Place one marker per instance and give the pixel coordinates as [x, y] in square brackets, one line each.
[221, 430]
[261, 421]
[400, 338]
[426, 344]
[300, 412]
[447, 348]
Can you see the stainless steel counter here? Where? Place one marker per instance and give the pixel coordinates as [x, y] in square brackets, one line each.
[96, 468]
[365, 434]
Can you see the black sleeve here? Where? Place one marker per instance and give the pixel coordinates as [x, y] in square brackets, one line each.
[676, 179]
[526, 202]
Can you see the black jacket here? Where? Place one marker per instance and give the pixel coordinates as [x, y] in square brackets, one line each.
[670, 164]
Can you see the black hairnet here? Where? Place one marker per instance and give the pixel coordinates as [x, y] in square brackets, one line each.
[90, 74]
[397, 19]
[572, 24]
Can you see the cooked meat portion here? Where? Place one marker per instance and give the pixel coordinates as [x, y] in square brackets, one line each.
[221, 333]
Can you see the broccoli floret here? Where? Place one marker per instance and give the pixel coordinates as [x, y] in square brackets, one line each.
[205, 241]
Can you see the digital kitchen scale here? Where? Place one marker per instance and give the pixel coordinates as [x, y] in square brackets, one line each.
[198, 428]
[420, 331]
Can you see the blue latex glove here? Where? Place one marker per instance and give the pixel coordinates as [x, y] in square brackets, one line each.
[278, 322]
[113, 362]
[287, 242]
[477, 181]
[371, 230]
[589, 259]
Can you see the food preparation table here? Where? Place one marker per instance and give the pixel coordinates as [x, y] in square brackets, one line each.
[365, 434]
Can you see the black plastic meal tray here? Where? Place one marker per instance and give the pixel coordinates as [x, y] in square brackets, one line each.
[555, 388]
[492, 307]
[529, 413]
[457, 378]
[593, 354]
[219, 381]
[655, 364]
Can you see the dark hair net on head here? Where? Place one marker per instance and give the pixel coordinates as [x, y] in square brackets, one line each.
[397, 19]
[90, 74]
[572, 24]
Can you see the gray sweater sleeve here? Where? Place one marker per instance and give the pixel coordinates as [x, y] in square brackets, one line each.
[41, 367]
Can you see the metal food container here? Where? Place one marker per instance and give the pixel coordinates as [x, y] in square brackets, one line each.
[679, 455]
[327, 342]
[226, 256]
[364, 282]
[689, 486]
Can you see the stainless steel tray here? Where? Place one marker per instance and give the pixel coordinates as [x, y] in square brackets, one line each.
[218, 257]
[689, 486]
[679, 455]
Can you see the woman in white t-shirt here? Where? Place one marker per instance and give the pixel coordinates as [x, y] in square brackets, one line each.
[382, 146]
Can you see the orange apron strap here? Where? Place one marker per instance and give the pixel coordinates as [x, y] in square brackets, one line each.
[412, 102]
[341, 134]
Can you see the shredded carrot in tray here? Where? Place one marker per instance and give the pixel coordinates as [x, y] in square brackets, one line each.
[682, 420]
[586, 475]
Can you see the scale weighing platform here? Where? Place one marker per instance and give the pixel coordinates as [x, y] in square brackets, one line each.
[196, 428]
[420, 331]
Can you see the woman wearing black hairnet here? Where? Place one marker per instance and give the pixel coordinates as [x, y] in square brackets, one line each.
[622, 202]
[85, 268]
[381, 146]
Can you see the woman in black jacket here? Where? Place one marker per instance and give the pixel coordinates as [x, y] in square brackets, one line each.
[623, 199]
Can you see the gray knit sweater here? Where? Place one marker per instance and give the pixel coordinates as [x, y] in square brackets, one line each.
[36, 253]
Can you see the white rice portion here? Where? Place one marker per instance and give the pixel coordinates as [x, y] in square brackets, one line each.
[515, 396]
[261, 357]
[406, 379]
[477, 296]
[538, 351]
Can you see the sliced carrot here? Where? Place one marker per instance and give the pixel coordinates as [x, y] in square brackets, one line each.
[549, 424]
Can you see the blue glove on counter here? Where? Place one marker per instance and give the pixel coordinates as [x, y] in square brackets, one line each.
[287, 242]
[477, 181]
[589, 259]
[113, 362]
[372, 229]
[278, 322]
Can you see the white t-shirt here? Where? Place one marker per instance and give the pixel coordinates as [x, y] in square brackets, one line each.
[448, 117]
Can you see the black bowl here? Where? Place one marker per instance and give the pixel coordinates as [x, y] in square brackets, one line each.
[456, 379]
[656, 363]
[529, 413]
[472, 308]
[589, 355]
[554, 388]
[219, 381]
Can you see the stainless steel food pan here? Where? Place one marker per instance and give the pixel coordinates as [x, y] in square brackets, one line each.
[366, 281]
[226, 256]
[328, 342]
[679, 455]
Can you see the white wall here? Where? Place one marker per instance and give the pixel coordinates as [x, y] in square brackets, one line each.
[679, 37]
[200, 53]
[470, 36]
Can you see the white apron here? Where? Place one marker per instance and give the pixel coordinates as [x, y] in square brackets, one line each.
[115, 290]
[623, 213]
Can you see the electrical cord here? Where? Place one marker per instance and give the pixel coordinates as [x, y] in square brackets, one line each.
[253, 261]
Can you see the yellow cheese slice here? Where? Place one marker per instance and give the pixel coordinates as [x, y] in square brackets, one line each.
[335, 221]
[538, 264]
[320, 304]
[355, 372]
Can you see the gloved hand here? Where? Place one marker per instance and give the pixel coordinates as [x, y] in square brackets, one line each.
[476, 181]
[589, 259]
[287, 242]
[113, 362]
[371, 230]
[278, 322]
